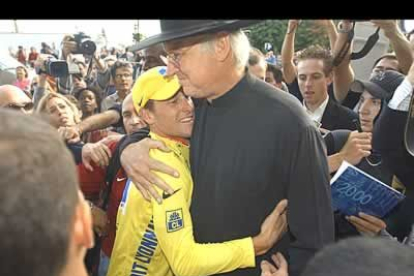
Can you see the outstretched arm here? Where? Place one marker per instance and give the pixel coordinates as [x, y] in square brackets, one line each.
[343, 72]
[174, 230]
[288, 49]
[399, 43]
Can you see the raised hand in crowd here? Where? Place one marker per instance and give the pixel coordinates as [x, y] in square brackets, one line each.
[280, 267]
[367, 224]
[143, 178]
[388, 26]
[399, 43]
[98, 152]
[287, 52]
[42, 84]
[330, 29]
[68, 46]
[39, 63]
[324, 23]
[100, 64]
[344, 75]
[292, 25]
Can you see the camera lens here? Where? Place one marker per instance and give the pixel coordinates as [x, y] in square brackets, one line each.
[88, 47]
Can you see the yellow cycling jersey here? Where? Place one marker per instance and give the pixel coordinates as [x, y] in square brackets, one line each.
[157, 239]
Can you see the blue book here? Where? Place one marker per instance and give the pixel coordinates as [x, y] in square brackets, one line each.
[355, 191]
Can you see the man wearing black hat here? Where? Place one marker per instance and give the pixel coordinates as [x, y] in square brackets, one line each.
[250, 146]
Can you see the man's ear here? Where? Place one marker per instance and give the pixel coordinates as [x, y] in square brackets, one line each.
[222, 46]
[147, 116]
[82, 234]
[329, 78]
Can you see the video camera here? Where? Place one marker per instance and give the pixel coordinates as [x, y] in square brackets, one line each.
[53, 67]
[61, 68]
[85, 45]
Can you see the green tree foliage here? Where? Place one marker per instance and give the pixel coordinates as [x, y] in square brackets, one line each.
[137, 37]
[273, 31]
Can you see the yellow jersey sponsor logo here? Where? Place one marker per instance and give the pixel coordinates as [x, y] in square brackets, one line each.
[175, 220]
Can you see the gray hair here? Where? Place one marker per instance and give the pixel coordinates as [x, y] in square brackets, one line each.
[240, 45]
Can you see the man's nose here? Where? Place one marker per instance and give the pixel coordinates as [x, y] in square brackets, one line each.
[363, 109]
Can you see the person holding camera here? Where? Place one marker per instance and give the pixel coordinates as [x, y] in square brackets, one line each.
[45, 82]
[76, 50]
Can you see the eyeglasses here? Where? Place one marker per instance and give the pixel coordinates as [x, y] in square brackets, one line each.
[175, 58]
[120, 76]
[27, 106]
[381, 70]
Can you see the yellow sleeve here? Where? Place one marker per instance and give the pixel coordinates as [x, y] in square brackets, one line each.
[174, 230]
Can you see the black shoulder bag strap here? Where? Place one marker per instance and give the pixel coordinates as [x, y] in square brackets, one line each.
[371, 41]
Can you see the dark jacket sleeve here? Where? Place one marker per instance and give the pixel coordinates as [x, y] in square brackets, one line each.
[310, 214]
[133, 138]
[76, 150]
[388, 139]
[338, 117]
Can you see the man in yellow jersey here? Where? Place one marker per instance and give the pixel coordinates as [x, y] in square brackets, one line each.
[157, 239]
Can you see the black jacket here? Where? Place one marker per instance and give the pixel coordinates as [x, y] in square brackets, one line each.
[337, 116]
[388, 139]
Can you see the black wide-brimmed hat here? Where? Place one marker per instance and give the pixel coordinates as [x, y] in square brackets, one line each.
[174, 29]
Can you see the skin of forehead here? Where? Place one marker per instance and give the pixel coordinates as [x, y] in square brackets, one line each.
[126, 101]
[386, 62]
[12, 94]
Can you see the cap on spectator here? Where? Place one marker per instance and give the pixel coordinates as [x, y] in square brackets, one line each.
[381, 85]
[154, 84]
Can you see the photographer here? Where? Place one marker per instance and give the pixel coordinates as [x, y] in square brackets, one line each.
[76, 51]
[45, 83]
[103, 75]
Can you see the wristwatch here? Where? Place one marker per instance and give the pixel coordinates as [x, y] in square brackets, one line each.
[341, 28]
